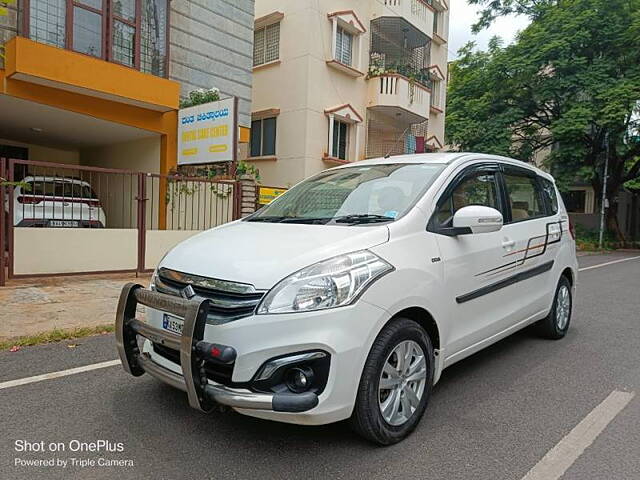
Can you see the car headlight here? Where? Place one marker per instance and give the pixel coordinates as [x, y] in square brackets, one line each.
[154, 276]
[331, 283]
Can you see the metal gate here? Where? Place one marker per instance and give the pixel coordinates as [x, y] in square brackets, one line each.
[121, 209]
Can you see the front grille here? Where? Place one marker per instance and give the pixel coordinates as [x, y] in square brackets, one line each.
[229, 301]
[219, 373]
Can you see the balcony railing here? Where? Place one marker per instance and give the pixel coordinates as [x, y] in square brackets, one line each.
[417, 12]
[396, 92]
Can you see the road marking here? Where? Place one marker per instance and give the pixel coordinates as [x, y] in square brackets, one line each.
[607, 263]
[61, 373]
[558, 460]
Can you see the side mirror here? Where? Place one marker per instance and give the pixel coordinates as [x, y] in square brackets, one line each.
[477, 219]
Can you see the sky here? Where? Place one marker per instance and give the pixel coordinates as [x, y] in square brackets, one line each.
[462, 16]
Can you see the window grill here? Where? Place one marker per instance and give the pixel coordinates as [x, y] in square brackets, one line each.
[266, 44]
[386, 134]
[396, 47]
[47, 19]
[344, 46]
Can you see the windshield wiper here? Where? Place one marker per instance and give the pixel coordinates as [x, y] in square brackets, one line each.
[268, 219]
[285, 219]
[321, 220]
[363, 218]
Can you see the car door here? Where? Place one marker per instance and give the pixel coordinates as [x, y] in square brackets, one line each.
[471, 262]
[532, 233]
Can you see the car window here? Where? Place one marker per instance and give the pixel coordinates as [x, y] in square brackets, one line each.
[478, 188]
[549, 192]
[60, 189]
[524, 197]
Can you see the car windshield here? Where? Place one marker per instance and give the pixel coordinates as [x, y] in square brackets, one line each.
[353, 195]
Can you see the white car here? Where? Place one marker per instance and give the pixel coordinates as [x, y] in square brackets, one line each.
[45, 201]
[347, 296]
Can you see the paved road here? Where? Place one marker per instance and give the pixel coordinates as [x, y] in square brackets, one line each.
[492, 416]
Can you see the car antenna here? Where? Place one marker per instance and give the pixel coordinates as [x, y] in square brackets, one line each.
[396, 142]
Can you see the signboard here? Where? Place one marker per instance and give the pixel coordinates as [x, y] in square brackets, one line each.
[207, 133]
[267, 194]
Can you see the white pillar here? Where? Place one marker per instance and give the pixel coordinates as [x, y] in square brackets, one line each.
[356, 128]
[334, 37]
[331, 122]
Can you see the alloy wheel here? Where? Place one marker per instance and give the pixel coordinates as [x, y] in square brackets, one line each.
[402, 382]
[563, 307]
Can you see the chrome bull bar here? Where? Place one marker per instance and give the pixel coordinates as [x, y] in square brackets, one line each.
[193, 350]
[189, 344]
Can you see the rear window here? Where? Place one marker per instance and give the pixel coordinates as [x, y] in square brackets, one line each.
[524, 197]
[60, 189]
[550, 196]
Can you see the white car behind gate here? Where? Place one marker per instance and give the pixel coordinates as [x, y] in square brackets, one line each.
[48, 201]
[347, 296]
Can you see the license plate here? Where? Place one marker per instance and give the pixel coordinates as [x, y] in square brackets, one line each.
[173, 324]
[63, 223]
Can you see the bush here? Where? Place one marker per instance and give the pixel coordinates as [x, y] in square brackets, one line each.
[200, 96]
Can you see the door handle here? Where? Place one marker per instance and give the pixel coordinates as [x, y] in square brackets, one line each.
[508, 243]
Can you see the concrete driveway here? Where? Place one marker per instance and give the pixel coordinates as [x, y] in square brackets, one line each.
[31, 306]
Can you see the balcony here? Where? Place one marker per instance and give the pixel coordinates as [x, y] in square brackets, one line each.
[416, 12]
[397, 96]
[36, 63]
[396, 48]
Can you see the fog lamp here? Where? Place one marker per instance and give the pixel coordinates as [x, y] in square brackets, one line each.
[299, 379]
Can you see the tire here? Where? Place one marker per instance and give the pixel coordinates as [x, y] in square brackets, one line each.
[556, 324]
[367, 419]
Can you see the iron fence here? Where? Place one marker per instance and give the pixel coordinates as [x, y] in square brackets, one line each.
[43, 194]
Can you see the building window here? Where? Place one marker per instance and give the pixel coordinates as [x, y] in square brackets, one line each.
[47, 21]
[263, 137]
[436, 95]
[340, 143]
[153, 37]
[344, 46]
[87, 28]
[266, 44]
[575, 201]
[129, 32]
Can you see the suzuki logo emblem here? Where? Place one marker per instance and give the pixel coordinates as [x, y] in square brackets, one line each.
[188, 292]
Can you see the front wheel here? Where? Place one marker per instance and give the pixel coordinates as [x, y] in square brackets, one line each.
[396, 383]
[556, 324]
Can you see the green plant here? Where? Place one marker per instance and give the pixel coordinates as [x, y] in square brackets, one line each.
[244, 168]
[56, 335]
[587, 239]
[200, 96]
[6, 183]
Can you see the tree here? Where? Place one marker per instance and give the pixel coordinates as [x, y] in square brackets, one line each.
[570, 84]
[4, 11]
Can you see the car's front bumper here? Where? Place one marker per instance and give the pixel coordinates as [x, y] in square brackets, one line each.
[202, 394]
[346, 334]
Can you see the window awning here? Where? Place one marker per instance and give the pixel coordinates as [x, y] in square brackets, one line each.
[344, 112]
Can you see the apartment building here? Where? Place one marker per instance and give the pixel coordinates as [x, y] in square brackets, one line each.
[98, 82]
[337, 81]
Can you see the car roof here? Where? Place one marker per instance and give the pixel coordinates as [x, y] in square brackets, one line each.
[446, 158]
[42, 178]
